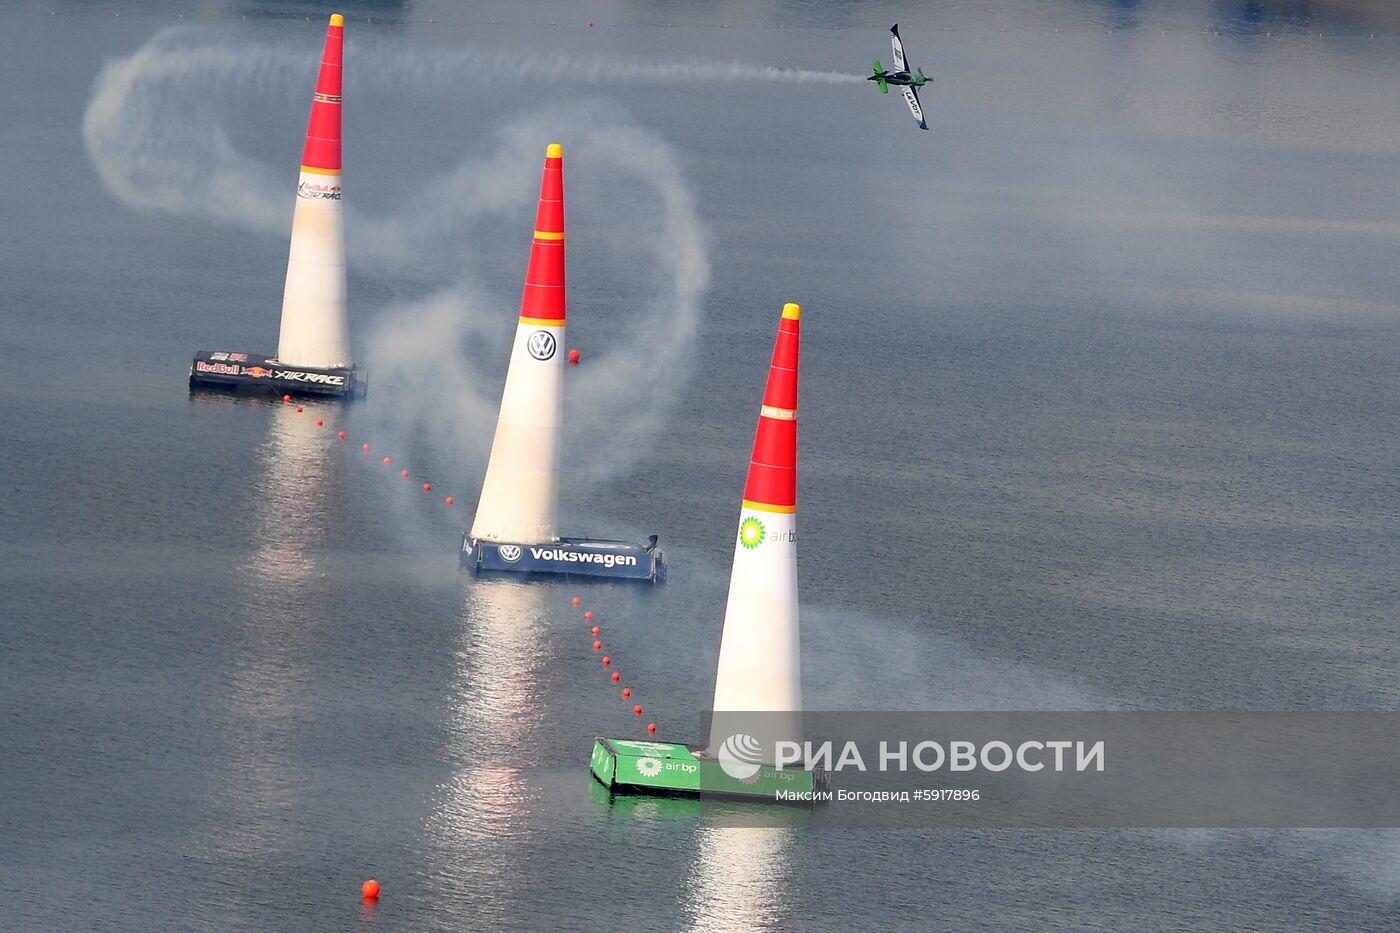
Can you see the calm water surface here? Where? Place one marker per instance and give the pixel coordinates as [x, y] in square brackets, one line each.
[1099, 411]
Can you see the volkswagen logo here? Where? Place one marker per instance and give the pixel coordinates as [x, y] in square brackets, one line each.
[541, 345]
[509, 553]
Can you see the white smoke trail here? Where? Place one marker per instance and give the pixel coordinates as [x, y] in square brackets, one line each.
[453, 345]
[593, 69]
[158, 145]
[155, 151]
[160, 136]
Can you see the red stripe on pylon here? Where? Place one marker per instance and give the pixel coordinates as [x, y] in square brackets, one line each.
[322, 149]
[781, 391]
[543, 299]
[772, 478]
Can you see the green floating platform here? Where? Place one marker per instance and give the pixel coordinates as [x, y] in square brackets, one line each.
[627, 766]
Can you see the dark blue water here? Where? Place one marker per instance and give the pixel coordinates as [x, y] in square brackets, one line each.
[1099, 404]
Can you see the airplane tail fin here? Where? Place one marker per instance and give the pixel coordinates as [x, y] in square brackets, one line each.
[880, 76]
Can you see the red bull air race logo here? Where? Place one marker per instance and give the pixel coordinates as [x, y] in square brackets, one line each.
[318, 191]
[296, 375]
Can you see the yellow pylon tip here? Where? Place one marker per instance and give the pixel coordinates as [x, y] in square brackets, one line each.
[555, 151]
[792, 312]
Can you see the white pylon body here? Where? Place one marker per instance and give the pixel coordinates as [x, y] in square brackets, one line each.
[315, 321]
[760, 667]
[520, 495]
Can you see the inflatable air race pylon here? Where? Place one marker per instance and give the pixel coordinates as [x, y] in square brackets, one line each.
[760, 669]
[313, 348]
[516, 524]
[758, 688]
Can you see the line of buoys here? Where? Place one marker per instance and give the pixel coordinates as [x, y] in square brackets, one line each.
[615, 676]
[340, 435]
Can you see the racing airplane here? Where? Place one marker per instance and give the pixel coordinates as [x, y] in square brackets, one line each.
[901, 78]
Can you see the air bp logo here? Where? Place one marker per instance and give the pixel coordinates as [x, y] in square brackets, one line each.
[751, 532]
[648, 767]
[541, 345]
[509, 553]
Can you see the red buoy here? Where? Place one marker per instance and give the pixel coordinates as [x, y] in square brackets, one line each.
[637, 710]
[651, 727]
[595, 630]
[573, 354]
[616, 676]
[365, 448]
[319, 422]
[286, 400]
[298, 408]
[597, 646]
[341, 435]
[588, 616]
[403, 473]
[449, 500]
[575, 600]
[606, 660]
[386, 461]
[370, 889]
[427, 487]
[626, 692]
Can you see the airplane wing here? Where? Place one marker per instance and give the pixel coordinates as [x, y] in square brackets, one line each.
[912, 98]
[899, 63]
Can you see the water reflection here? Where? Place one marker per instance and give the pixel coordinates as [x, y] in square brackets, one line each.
[275, 630]
[289, 503]
[741, 878]
[481, 816]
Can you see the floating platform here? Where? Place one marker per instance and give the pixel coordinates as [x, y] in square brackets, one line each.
[248, 372]
[618, 560]
[630, 766]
